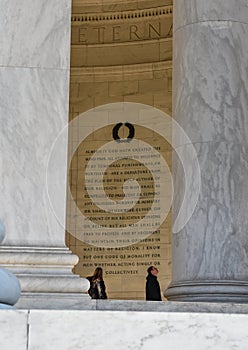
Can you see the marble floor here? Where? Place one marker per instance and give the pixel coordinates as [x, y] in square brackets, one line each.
[191, 326]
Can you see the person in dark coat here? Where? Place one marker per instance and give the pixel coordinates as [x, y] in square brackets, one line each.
[97, 288]
[152, 285]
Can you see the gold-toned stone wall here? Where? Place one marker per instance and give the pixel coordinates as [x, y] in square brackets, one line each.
[120, 52]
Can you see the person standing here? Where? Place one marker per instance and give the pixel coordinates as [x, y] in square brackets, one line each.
[152, 285]
[97, 288]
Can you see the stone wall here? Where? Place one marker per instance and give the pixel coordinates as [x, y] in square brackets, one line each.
[120, 52]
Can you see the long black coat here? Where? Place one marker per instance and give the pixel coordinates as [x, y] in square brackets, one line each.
[152, 288]
[93, 291]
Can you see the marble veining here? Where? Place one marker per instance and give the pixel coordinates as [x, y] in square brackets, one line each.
[192, 11]
[13, 325]
[136, 330]
[34, 84]
[211, 99]
[210, 84]
[101, 330]
[35, 33]
[212, 244]
[31, 115]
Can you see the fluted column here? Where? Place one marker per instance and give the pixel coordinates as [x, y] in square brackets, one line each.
[34, 84]
[210, 102]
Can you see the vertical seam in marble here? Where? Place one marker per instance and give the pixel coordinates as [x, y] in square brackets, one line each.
[28, 325]
[208, 21]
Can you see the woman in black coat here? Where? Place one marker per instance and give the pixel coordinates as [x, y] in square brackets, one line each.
[97, 287]
[152, 285]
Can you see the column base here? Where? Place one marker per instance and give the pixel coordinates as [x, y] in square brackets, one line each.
[46, 277]
[55, 301]
[208, 291]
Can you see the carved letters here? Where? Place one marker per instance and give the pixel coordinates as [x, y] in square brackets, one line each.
[121, 33]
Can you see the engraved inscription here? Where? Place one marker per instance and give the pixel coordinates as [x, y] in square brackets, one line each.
[92, 34]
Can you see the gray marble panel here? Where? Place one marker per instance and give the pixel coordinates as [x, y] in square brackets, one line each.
[131, 305]
[13, 326]
[211, 82]
[33, 110]
[35, 33]
[168, 306]
[213, 244]
[192, 11]
[102, 330]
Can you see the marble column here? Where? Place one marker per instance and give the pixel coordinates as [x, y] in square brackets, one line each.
[34, 84]
[210, 102]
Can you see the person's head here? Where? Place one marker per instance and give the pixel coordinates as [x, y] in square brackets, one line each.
[152, 270]
[97, 273]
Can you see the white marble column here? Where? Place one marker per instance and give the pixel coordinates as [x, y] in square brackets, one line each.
[210, 99]
[34, 88]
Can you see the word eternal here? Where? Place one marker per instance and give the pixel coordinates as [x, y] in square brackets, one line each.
[123, 33]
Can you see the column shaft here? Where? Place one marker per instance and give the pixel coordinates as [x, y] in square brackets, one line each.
[34, 75]
[210, 102]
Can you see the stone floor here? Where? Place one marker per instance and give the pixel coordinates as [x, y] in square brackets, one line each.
[122, 325]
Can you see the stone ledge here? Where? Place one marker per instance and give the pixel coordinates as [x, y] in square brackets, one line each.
[66, 329]
[82, 302]
[169, 306]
